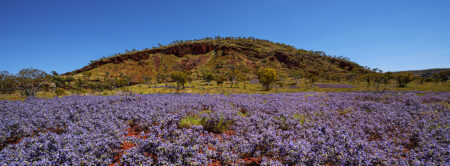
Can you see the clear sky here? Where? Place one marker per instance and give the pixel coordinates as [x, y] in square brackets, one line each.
[64, 35]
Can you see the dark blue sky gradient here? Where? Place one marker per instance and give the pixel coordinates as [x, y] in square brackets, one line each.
[65, 35]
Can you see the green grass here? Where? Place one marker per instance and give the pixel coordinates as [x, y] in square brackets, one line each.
[202, 87]
[301, 118]
[189, 121]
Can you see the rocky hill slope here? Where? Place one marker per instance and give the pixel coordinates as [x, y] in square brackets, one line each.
[219, 55]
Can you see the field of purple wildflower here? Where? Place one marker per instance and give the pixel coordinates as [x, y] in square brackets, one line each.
[275, 129]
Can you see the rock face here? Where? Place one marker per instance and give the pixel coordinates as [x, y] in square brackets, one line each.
[231, 52]
[194, 49]
[179, 51]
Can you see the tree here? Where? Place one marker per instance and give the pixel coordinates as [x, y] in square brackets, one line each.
[220, 80]
[368, 78]
[442, 76]
[180, 77]
[267, 76]
[243, 78]
[147, 79]
[160, 78]
[312, 78]
[189, 78]
[54, 73]
[233, 76]
[404, 78]
[79, 84]
[298, 74]
[351, 77]
[31, 80]
[68, 81]
[123, 81]
[8, 82]
[58, 81]
[386, 77]
[280, 78]
[324, 75]
[208, 77]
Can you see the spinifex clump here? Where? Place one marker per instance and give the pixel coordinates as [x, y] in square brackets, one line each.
[189, 129]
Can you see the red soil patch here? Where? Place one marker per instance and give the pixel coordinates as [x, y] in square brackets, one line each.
[251, 160]
[215, 163]
[230, 132]
[132, 131]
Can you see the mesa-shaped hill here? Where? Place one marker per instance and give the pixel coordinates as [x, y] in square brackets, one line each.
[218, 55]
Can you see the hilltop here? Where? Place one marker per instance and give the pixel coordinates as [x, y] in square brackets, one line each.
[218, 55]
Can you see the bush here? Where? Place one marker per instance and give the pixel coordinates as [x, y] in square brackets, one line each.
[60, 92]
[267, 76]
[217, 126]
[404, 78]
[214, 125]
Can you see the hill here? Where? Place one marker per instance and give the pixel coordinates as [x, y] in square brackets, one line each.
[426, 72]
[218, 55]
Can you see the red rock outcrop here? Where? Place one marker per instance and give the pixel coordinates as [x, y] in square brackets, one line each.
[179, 51]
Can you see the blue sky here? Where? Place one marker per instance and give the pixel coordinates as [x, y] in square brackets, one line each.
[66, 35]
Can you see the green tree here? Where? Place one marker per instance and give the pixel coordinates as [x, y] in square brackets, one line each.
[297, 75]
[79, 84]
[267, 76]
[386, 77]
[31, 80]
[280, 78]
[68, 81]
[189, 77]
[220, 80]
[54, 73]
[147, 79]
[160, 78]
[208, 77]
[8, 82]
[404, 78]
[368, 78]
[58, 81]
[123, 81]
[442, 76]
[311, 78]
[244, 78]
[233, 76]
[180, 77]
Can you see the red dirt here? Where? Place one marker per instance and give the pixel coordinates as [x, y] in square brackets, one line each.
[132, 131]
[215, 163]
[251, 160]
[230, 132]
